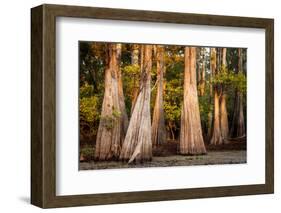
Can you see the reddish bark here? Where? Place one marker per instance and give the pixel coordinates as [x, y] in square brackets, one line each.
[191, 138]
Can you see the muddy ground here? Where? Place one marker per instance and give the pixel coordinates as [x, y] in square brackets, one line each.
[167, 155]
[213, 157]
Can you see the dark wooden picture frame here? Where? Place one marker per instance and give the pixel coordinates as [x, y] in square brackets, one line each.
[43, 105]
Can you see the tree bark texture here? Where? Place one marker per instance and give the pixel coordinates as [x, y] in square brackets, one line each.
[238, 122]
[191, 138]
[223, 108]
[124, 116]
[202, 74]
[158, 123]
[216, 130]
[210, 114]
[108, 142]
[137, 145]
[135, 62]
[216, 135]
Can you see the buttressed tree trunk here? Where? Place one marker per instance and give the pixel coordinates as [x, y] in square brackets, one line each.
[158, 123]
[191, 138]
[238, 123]
[108, 140]
[216, 131]
[123, 115]
[223, 109]
[137, 145]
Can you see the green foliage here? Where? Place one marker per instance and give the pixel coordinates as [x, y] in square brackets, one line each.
[131, 70]
[131, 77]
[230, 78]
[205, 108]
[173, 94]
[87, 153]
[110, 120]
[240, 82]
[89, 104]
[89, 110]
[92, 61]
[116, 114]
[172, 112]
[86, 90]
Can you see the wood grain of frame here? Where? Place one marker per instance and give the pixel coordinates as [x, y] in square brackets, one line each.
[43, 105]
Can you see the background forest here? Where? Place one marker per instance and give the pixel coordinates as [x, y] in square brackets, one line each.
[177, 81]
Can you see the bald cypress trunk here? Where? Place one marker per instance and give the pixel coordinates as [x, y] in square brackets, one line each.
[191, 138]
[224, 119]
[202, 74]
[238, 125]
[108, 140]
[123, 115]
[137, 145]
[135, 54]
[223, 109]
[210, 114]
[158, 123]
[216, 135]
[216, 130]
[135, 62]
[238, 122]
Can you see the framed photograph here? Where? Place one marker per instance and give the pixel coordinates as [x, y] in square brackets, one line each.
[137, 106]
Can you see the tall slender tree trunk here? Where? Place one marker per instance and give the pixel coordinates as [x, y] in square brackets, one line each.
[238, 125]
[216, 130]
[135, 62]
[108, 142]
[191, 138]
[137, 145]
[202, 74]
[238, 122]
[135, 54]
[210, 114]
[171, 126]
[124, 116]
[223, 109]
[158, 123]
